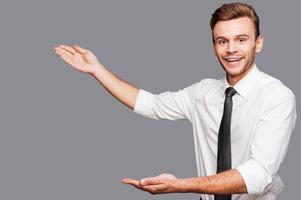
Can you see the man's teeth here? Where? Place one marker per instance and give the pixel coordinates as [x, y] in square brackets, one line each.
[232, 59]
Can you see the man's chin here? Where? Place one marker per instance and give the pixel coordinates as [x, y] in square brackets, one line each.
[233, 70]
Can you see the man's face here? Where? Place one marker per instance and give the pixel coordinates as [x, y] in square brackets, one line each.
[235, 46]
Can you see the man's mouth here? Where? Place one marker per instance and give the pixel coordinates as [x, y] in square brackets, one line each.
[232, 59]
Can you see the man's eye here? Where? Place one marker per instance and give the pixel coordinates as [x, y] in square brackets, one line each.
[222, 42]
[242, 40]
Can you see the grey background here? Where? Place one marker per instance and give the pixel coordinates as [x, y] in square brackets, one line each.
[64, 137]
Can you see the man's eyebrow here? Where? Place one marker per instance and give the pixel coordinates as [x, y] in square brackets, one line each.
[221, 37]
[237, 36]
[243, 35]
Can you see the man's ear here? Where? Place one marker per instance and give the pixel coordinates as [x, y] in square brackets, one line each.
[213, 44]
[259, 44]
[213, 48]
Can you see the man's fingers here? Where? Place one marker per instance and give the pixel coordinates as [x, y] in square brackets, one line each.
[134, 183]
[61, 52]
[67, 59]
[67, 48]
[130, 181]
[80, 50]
[150, 185]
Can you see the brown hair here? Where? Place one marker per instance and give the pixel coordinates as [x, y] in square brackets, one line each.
[232, 11]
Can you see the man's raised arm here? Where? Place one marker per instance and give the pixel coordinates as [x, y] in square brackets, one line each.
[85, 61]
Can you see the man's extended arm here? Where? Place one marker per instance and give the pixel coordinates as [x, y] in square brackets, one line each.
[85, 61]
[228, 182]
[168, 105]
[123, 91]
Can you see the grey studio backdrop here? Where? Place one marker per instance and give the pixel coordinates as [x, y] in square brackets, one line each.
[62, 136]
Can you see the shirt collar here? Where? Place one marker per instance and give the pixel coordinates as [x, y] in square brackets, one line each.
[245, 84]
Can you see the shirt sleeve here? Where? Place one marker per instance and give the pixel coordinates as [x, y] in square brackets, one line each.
[166, 105]
[270, 144]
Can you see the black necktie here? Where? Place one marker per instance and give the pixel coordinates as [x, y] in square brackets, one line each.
[224, 139]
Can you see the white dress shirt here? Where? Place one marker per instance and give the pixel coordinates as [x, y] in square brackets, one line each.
[263, 118]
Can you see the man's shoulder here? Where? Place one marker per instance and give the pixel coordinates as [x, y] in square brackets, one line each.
[203, 87]
[274, 88]
[205, 84]
[211, 82]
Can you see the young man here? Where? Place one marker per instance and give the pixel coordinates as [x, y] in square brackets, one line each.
[242, 123]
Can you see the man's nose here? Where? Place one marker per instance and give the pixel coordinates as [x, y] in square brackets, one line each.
[231, 48]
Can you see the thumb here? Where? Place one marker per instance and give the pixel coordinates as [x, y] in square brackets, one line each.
[80, 50]
[150, 181]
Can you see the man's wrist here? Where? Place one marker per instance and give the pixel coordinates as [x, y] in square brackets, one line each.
[186, 185]
[98, 69]
[196, 185]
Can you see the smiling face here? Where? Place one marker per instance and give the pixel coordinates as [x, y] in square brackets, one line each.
[235, 45]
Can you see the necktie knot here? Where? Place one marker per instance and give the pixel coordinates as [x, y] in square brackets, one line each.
[230, 92]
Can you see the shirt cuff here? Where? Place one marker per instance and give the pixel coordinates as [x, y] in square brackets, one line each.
[255, 176]
[144, 103]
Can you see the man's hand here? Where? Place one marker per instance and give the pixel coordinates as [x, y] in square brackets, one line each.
[85, 61]
[164, 183]
[81, 59]
[227, 182]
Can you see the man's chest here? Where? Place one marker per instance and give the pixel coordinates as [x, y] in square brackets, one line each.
[208, 113]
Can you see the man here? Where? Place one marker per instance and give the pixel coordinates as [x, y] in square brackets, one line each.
[242, 123]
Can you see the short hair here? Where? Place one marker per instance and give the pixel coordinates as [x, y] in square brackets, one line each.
[232, 11]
